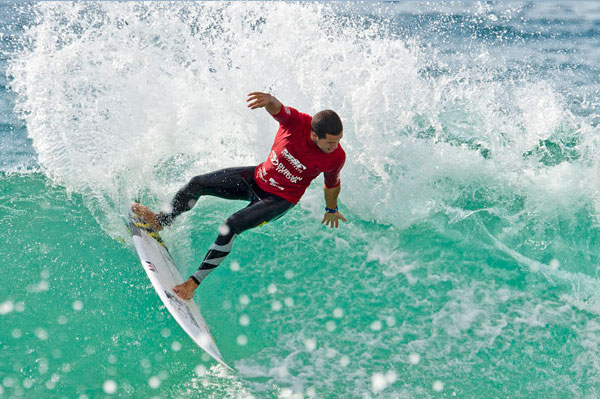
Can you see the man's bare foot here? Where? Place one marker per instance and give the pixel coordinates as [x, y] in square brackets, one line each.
[186, 289]
[147, 214]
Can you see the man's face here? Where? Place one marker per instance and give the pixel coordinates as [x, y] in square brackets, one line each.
[329, 144]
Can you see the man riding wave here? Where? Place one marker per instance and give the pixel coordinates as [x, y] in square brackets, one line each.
[304, 147]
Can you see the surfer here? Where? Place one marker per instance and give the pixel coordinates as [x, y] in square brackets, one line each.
[304, 147]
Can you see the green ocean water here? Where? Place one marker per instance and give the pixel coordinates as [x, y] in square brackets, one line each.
[468, 267]
[79, 312]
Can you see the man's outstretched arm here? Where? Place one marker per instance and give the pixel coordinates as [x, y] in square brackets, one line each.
[259, 100]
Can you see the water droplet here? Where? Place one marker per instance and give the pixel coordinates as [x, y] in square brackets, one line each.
[310, 344]
[244, 320]
[344, 361]
[77, 305]
[41, 333]
[176, 346]
[438, 386]
[9, 382]
[109, 387]
[200, 370]
[391, 377]
[244, 300]
[6, 307]
[235, 267]
[330, 325]
[338, 313]
[276, 306]
[272, 288]
[378, 382]
[242, 340]
[154, 382]
[414, 358]
[227, 304]
[43, 366]
[376, 325]
[224, 229]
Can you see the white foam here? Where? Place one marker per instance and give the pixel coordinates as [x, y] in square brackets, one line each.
[118, 111]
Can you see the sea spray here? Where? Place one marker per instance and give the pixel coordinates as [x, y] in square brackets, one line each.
[471, 188]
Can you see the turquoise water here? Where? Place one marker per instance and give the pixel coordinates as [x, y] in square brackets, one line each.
[469, 265]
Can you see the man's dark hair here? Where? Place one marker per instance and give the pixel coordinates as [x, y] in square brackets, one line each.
[326, 122]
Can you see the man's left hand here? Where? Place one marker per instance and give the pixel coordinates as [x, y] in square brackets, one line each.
[333, 219]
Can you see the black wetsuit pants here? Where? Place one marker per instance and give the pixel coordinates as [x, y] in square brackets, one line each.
[234, 184]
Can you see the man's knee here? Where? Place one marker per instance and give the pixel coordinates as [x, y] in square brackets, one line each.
[196, 182]
[235, 224]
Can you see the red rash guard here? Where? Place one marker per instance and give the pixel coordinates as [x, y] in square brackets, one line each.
[295, 160]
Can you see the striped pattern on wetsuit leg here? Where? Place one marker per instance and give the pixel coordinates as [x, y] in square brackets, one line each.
[216, 253]
[256, 214]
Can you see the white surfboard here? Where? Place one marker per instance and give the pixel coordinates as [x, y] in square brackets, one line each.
[163, 274]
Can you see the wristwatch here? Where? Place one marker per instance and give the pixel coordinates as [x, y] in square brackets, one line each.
[334, 210]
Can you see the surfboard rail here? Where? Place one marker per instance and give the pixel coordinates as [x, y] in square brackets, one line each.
[162, 272]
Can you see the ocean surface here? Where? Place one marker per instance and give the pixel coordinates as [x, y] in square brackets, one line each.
[470, 264]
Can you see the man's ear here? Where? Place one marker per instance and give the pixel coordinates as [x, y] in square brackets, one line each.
[313, 136]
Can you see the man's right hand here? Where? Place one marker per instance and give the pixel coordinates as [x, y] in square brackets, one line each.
[186, 289]
[259, 100]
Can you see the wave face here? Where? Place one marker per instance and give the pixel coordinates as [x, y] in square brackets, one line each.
[470, 262]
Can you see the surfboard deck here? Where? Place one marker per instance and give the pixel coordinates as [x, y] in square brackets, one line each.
[160, 269]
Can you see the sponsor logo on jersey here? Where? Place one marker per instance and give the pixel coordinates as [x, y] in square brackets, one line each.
[274, 159]
[280, 168]
[274, 183]
[262, 174]
[288, 175]
[295, 163]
